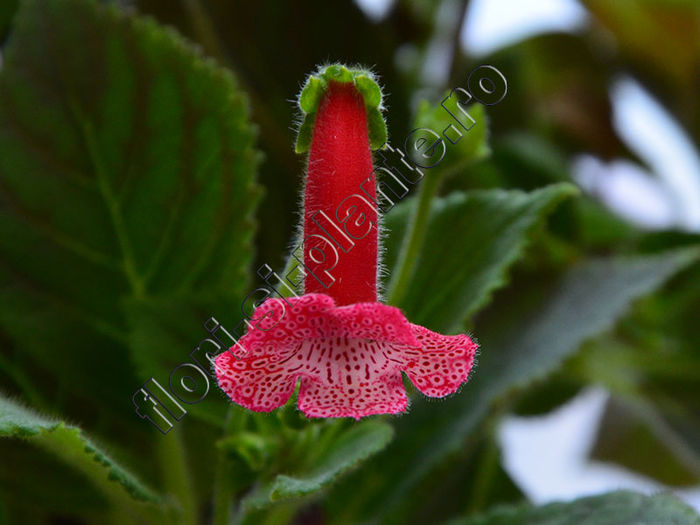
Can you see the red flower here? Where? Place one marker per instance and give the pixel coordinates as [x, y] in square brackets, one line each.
[347, 348]
[349, 358]
[340, 162]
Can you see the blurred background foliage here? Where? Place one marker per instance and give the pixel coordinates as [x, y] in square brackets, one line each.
[144, 176]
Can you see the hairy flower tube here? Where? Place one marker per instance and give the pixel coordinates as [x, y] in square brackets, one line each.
[347, 349]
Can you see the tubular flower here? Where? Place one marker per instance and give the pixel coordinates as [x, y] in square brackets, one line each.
[347, 348]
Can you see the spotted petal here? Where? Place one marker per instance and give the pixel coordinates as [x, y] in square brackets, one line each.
[441, 364]
[349, 358]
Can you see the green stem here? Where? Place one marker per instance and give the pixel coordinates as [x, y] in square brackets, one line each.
[413, 239]
[280, 514]
[223, 497]
[223, 487]
[484, 476]
[176, 478]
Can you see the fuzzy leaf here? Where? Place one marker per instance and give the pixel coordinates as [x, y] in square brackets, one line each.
[70, 445]
[126, 178]
[352, 447]
[614, 508]
[490, 228]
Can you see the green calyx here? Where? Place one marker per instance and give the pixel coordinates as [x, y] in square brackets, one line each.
[314, 89]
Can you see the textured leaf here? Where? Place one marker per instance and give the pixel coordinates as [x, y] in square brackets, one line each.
[490, 230]
[163, 333]
[354, 446]
[126, 177]
[614, 508]
[70, 445]
[517, 350]
[334, 459]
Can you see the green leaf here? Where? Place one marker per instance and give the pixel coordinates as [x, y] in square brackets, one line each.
[70, 445]
[164, 331]
[651, 365]
[633, 435]
[473, 144]
[126, 179]
[614, 508]
[519, 347]
[352, 447]
[492, 228]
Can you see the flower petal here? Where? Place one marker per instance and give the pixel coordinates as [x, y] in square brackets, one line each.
[384, 396]
[286, 323]
[373, 321]
[351, 378]
[349, 358]
[260, 372]
[442, 363]
[259, 383]
[309, 337]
